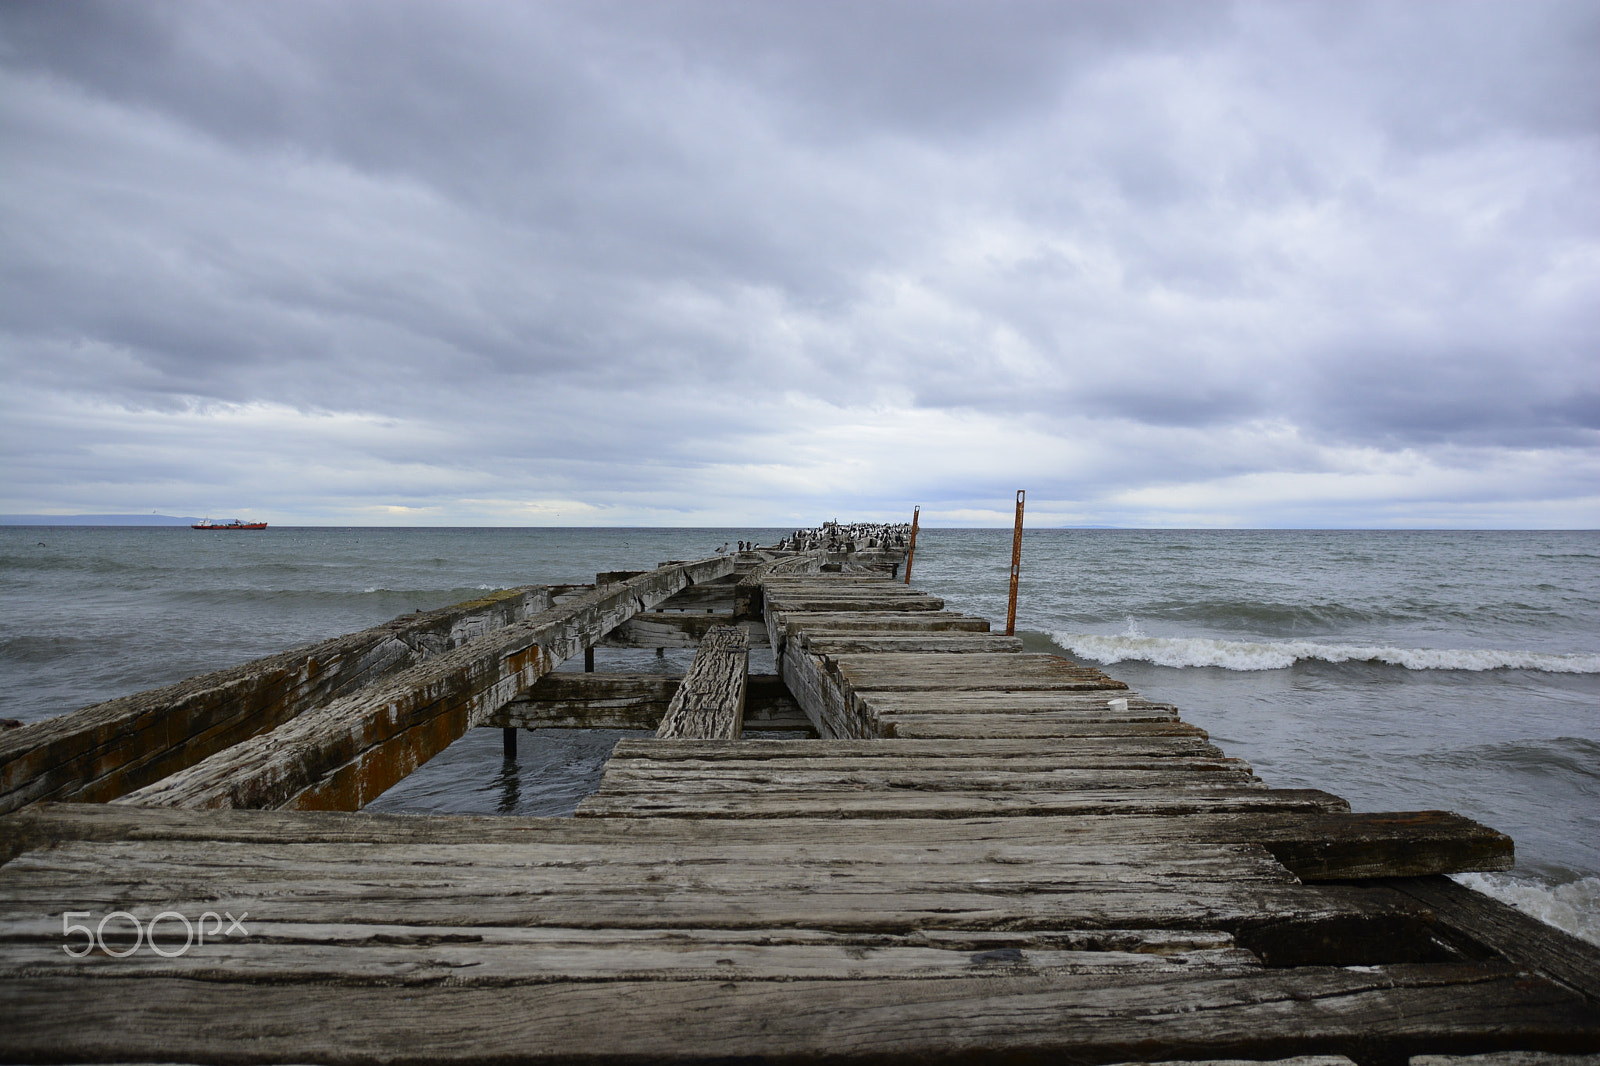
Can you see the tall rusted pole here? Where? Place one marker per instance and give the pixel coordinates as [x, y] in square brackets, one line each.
[911, 549]
[1016, 568]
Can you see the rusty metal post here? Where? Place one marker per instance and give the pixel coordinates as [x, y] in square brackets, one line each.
[1016, 568]
[508, 743]
[588, 660]
[911, 549]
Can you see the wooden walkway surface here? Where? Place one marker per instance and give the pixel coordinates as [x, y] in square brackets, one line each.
[989, 855]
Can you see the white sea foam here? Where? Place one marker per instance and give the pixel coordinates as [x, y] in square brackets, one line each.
[1573, 907]
[1278, 655]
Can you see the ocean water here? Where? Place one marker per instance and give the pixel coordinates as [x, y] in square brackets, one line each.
[1401, 670]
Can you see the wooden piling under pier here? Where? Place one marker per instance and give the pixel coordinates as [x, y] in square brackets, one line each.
[985, 855]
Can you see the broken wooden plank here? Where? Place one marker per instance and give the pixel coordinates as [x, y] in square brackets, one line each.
[709, 705]
[345, 754]
[1473, 918]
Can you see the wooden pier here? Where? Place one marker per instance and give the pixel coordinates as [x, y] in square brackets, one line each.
[977, 854]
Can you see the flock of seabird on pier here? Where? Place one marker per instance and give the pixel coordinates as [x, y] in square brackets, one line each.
[856, 536]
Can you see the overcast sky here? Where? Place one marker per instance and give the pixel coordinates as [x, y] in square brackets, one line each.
[744, 262]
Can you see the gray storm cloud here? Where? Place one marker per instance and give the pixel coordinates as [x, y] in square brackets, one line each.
[1189, 263]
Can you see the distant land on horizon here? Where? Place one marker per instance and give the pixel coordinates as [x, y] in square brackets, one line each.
[94, 520]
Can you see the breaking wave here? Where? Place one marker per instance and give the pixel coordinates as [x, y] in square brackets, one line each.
[1279, 655]
[1573, 907]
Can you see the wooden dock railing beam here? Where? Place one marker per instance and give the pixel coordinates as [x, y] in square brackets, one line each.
[105, 751]
[343, 755]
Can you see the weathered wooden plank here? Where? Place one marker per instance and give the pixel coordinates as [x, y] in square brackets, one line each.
[496, 955]
[1420, 842]
[801, 855]
[975, 723]
[1288, 835]
[863, 752]
[710, 598]
[835, 587]
[675, 629]
[344, 754]
[1390, 844]
[1042, 724]
[1179, 886]
[924, 643]
[1151, 946]
[861, 696]
[1004, 671]
[709, 705]
[1065, 766]
[569, 700]
[787, 778]
[881, 622]
[1113, 704]
[298, 882]
[877, 603]
[908, 803]
[111, 748]
[832, 578]
[854, 585]
[872, 704]
[1385, 1012]
[782, 625]
[1334, 847]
